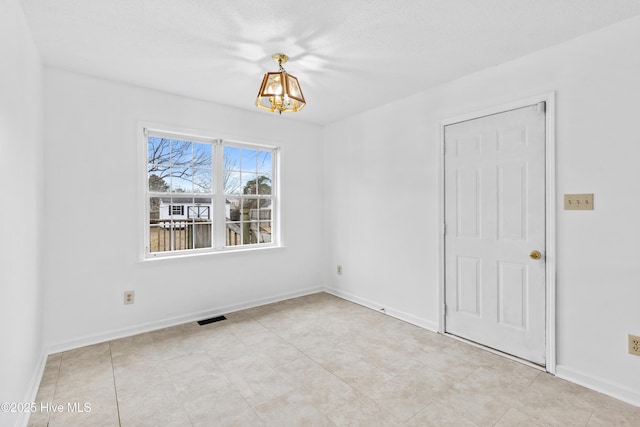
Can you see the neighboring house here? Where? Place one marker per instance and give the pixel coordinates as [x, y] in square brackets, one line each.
[184, 211]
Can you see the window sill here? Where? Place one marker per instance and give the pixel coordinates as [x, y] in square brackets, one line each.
[210, 253]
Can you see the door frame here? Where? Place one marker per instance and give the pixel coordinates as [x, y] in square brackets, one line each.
[550, 213]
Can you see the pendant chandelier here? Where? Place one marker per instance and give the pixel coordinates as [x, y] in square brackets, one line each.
[280, 91]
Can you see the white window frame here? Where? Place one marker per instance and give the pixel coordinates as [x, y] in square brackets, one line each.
[218, 210]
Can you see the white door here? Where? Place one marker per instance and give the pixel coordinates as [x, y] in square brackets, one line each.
[495, 218]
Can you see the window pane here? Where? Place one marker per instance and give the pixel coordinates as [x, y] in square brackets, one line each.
[231, 158]
[265, 232]
[159, 224]
[264, 184]
[250, 217]
[249, 232]
[159, 237]
[202, 155]
[181, 180]
[156, 182]
[249, 160]
[201, 236]
[182, 169]
[249, 208]
[249, 185]
[201, 209]
[265, 209]
[232, 209]
[202, 181]
[232, 184]
[181, 153]
[158, 150]
[248, 221]
[200, 214]
[264, 162]
[233, 234]
[154, 208]
[180, 232]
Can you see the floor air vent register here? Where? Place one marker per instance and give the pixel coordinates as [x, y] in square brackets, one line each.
[211, 320]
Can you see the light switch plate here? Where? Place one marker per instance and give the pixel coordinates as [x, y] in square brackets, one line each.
[578, 202]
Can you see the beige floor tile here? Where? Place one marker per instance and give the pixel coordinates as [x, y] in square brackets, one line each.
[38, 419]
[172, 344]
[260, 311]
[46, 391]
[89, 353]
[186, 368]
[517, 418]
[439, 415]
[403, 397]
[362, 376]
[84, 375]
[482, 408]
[628, 417]
[388, 360]
[156, 406]
[237, 316]
[95, 407]
[327, 391]
[138, 374]
[244, 328]
[275, 320]
[554, 401]
[209, 385]
[457, 366]
[362, 413]
[499, 386]
[332, 358]
[295, 408]
[223, 409]
[130, 345]
[314, 360]
[255, 380]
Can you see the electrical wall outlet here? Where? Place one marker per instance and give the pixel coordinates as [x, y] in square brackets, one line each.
[339, 270]
[128, 297]
[634, 345]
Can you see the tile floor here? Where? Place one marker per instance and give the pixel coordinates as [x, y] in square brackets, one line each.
[311, 361]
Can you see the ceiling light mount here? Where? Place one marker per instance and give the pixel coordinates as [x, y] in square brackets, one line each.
[280, 58]
[280, 91]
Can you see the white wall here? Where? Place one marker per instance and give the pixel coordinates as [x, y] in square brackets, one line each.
[21, 143]
[381, 203]
[92, 161]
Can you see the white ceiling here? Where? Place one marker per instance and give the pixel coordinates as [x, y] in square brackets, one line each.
[349, 55]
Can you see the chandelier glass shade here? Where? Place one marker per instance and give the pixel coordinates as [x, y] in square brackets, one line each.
[280, 91]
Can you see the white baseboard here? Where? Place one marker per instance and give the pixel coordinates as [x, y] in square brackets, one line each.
[600, 385]
[173, 321]
[398, 314]
[32, 391]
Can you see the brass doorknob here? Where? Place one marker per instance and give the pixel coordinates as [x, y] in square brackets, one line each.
[535, 255]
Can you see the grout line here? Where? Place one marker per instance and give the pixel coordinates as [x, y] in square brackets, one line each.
[503, 415]
[55, 388]
[115, 388]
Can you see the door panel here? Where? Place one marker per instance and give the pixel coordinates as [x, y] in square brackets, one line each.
[495, 216]
[512, 190]
[467, 208]
[468, 286]
[512, 294]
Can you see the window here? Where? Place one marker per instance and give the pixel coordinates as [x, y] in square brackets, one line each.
[205, 195]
